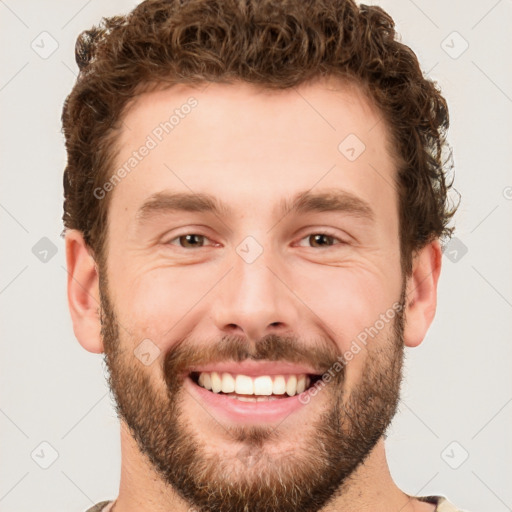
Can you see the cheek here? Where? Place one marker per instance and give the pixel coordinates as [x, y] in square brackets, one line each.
[347, 302]
[158, 299]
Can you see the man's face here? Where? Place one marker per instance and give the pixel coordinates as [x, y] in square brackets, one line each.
[258, 293]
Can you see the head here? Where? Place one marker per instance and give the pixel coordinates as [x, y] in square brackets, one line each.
[253, 183]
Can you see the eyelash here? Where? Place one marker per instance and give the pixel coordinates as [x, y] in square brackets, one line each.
[322, 233]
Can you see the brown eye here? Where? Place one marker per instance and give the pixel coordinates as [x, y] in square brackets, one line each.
[189, 241]
[319, 240]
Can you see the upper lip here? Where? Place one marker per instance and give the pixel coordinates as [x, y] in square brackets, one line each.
[256, 368]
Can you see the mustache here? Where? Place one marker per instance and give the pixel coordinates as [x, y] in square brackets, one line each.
[319, 354]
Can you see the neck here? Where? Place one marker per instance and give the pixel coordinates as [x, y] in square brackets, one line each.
[371, 487]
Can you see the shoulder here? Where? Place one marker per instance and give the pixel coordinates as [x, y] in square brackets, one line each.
[442, 504]
[100, 507]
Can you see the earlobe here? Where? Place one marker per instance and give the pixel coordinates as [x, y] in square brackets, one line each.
[83, 292]
[421, 293]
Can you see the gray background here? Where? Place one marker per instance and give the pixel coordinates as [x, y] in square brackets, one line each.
[452, 434]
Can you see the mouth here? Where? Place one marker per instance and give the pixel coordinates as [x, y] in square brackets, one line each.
[251, 393]
[250, 388]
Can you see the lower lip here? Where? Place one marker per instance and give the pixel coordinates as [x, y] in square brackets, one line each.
[245, 412]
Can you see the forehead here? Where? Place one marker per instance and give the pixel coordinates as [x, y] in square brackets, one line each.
[247, 145]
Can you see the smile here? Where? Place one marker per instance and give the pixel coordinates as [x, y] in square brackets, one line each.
[249, 388]
[251, 392]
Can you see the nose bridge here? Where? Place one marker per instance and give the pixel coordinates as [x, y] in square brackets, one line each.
[254, 299]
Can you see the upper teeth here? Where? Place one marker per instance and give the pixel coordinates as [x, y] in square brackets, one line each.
[261, 385]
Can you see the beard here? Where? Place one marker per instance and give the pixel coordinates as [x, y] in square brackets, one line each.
[260, 476]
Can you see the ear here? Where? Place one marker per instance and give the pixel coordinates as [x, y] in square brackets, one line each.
[83, 292]
[421, 293]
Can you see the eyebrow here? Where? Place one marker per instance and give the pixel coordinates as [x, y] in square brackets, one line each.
[335, 200]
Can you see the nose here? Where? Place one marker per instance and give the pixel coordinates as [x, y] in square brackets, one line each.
[255, 300]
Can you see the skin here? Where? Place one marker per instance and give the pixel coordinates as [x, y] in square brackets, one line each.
[251, 149]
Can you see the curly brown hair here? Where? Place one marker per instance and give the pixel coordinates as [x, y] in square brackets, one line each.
[276, 44]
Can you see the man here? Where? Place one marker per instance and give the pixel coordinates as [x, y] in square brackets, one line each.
[254, 200]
